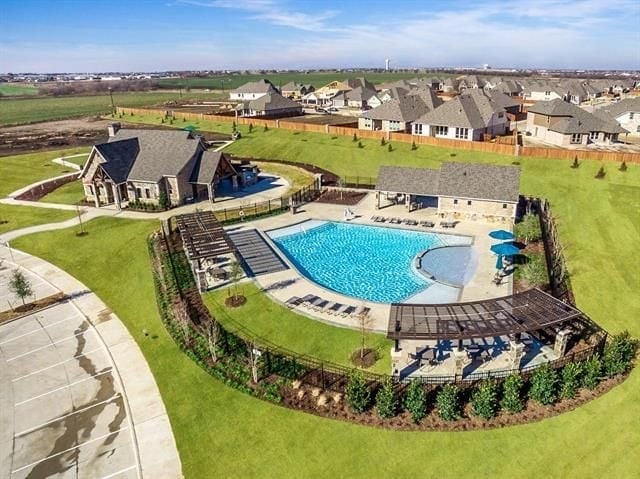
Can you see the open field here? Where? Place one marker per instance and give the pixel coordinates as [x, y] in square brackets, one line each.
[245, 437]
[273, 322]
[229, 82]
[32, 110]
[17, 89]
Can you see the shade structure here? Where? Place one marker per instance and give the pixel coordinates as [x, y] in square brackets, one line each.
[499, 264]
[505, 249]
[501, 235]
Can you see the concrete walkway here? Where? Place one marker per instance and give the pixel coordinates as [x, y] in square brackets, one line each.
[153, 449]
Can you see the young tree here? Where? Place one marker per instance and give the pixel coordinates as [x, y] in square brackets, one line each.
[415, 401]
[364, 321]
[360, 145]
[570, 380]
[235, 274]
[266, 128]
[448, 402]
[163, 200]
[544, 383]
[618, 354]
[485, 399]
[355, 137]
[358, 395]
[382, 141]
[413, 145]
[213, 335]
[601, 173]
[20, 285]
[389, 147]
[250, 127]
[623, 166]
[575, 163]
[512, 394]
[253, 356]
[386, 401]
[591, 372]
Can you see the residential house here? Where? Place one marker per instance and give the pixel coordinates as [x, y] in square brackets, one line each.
[145, 165]
[252, 90]
[469, 81]
[334, 93]
[398, 114]
[462, 190]
[449, 85]
[271, 105]
[535, 90]
[466, 117]
[360, 97]
[295, 90]
[625, 112]
[565, 124]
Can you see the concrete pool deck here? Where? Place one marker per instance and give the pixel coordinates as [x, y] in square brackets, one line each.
[283, 285]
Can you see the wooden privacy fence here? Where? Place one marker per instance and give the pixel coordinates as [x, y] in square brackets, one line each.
[483, 146]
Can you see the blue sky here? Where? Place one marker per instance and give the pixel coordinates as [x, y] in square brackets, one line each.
[143, 35]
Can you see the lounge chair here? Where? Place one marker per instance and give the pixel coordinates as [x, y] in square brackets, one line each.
[447, 224]
[293, 301]
[319, 304]
[395, 221]
[333, 308]
[346, 310]
[427, 224]
[308, 299]
[380, 219]
[410, 222]
[361, 310]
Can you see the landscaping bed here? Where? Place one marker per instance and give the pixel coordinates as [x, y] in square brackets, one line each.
[30, 308]
[341, 197]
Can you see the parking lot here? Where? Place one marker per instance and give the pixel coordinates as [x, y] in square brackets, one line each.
[62, 411]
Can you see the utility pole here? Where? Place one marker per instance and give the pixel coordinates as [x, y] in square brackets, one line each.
[113, 107]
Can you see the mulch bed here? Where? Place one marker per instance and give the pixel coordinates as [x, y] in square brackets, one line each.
[32, 307]
[306, 399]
[341, 197]
[367, 360]
[235, 301]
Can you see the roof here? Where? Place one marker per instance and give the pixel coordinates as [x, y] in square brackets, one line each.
[529, 311]
[204, 170]
[472, 110]
[261, 86]
[622, 107]
[161, 152]
[270, 101]
[360, 94]
[496, 97]
[406, 108]
[415, 181]
[295, 86]
[474, 180]
[574, 119]
[202, 235]
[120, 157]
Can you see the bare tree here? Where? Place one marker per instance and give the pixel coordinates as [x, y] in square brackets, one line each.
[182, 318]
[213, 335]
[254, 360]
[235, 274]
[364, 321]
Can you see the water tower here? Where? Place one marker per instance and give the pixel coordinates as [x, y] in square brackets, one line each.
[386, 64]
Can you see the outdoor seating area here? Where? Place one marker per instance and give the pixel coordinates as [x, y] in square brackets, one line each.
[411, 222]
[320, 305]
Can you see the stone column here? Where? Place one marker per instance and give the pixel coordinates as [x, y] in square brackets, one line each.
[396, 357]
[116, 195]
[96, 200]
[517, 352]
[461, 359]
[562, 338]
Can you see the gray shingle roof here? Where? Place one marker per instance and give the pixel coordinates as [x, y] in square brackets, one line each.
[487, 182]
[573, 118]
[460, 180]
[625, 106]
[270, 101]
[464, 111]
[120, 157]
[161, 152]
[204, 170]
[406, 108]
[400, 179]
[261, 86]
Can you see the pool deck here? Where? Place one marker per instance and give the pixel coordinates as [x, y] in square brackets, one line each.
[282, 285]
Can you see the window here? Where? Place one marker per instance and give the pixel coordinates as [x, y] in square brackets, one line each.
[504, 206]
[576, 138]
[547, 93]
[417, 129]
[469, 203]
[593, 135]
[630, 115]
[138, 193]
[441, 130]
[500, 114]
[455, 202]
[147, 193]
[462, 133]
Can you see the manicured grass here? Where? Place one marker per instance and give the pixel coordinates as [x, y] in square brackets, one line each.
[31, 110]
[17, 217]
[17, 89]
[68, 194]
[21, 170]
[223, 433]
[297, 177]
[275, 323]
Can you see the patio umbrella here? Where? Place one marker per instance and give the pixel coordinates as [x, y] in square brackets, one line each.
[190, 128]
[499, 264]
[501, 235]
[505, 249]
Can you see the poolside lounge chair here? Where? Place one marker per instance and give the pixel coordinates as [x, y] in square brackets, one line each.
[293, 301]
[427, 224]
[318, 304]
[333, 308]
[448, 224]
[395, 221]
[346, 310]
[410, 222]
[380, 219]
[361, 310]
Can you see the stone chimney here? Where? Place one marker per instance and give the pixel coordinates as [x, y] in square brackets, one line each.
[113, 129]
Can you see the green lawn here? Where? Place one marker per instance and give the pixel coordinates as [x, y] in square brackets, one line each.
[17, 217]
[17, 89]
[223, 433]
[297, 177]
[275, 323]
[32, 110]
[68, 194]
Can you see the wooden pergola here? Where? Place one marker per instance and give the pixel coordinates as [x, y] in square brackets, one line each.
[202, 236]
[526, 312]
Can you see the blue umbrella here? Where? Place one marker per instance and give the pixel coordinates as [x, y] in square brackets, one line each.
[499, 264]
[505, 249]
[501, 235]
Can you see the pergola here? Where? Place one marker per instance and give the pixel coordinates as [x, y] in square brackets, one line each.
[529, 311]
[203, 236]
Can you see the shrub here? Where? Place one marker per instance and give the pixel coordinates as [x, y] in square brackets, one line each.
[591, 372]
[163, 200]
[266, 128]
[413, 145]
[386, 401]
[544, 382]
[390, 148]
[360, 145]
[358, 395]
[571, 374]
[448, 402]
[485, 399]
[382, 141]
[601, 173]
[250, 127]
[575, 163]
[512, 394]
[529, 228]
[623, 166]
[618, 354]
[534, 271]
[355, 137]
[415, 401]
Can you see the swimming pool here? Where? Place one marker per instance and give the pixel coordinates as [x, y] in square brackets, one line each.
[367, 262]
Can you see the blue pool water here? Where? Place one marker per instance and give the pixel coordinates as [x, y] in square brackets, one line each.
[367, 262]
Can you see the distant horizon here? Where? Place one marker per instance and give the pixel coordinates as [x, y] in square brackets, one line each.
[38, 37]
